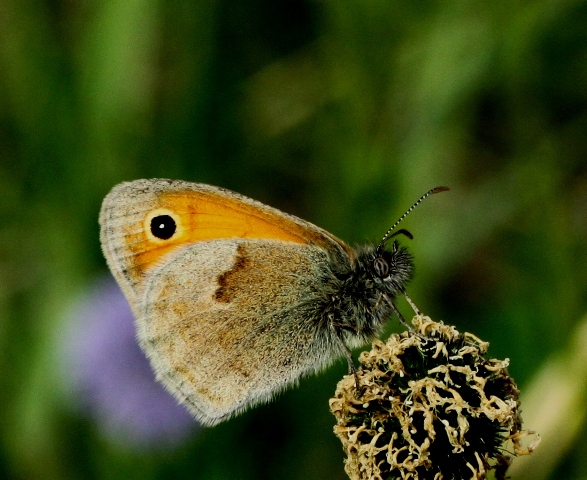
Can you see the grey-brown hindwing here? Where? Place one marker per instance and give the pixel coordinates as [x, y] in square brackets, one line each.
[228, 323]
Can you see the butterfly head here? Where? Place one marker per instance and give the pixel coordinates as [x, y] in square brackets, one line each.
[388, 269]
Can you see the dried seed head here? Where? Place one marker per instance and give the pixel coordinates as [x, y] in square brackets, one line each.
[430, 407]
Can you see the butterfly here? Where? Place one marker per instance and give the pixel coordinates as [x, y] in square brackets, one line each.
[235, 300]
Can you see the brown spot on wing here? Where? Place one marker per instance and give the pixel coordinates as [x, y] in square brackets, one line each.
[225, 291]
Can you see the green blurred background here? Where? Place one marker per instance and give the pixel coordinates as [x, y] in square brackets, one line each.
[341, 112]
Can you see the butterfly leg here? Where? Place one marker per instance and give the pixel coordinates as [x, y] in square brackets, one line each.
[346, 352]
[416, 311]
[399, 315]
[412, 304]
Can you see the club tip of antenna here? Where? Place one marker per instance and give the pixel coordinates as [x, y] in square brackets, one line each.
[440, 189]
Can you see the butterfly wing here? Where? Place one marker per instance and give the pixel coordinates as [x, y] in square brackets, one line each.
[226, 307]
[229, 323]
[202, 213]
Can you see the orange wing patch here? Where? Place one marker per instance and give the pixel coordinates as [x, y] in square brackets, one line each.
[202, 216]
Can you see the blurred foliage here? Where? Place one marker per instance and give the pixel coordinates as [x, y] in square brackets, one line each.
[340, 112]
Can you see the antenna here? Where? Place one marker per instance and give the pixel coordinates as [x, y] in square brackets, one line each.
[423, 197]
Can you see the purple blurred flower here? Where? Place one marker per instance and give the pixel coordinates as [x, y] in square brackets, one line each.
[112, 378]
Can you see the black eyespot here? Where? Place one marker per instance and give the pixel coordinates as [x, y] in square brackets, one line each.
[381, 267]
[163, 226]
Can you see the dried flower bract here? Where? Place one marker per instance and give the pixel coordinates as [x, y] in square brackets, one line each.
[430, 406]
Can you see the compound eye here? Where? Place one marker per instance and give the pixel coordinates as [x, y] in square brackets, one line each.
[163, 226]
[381, 267]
